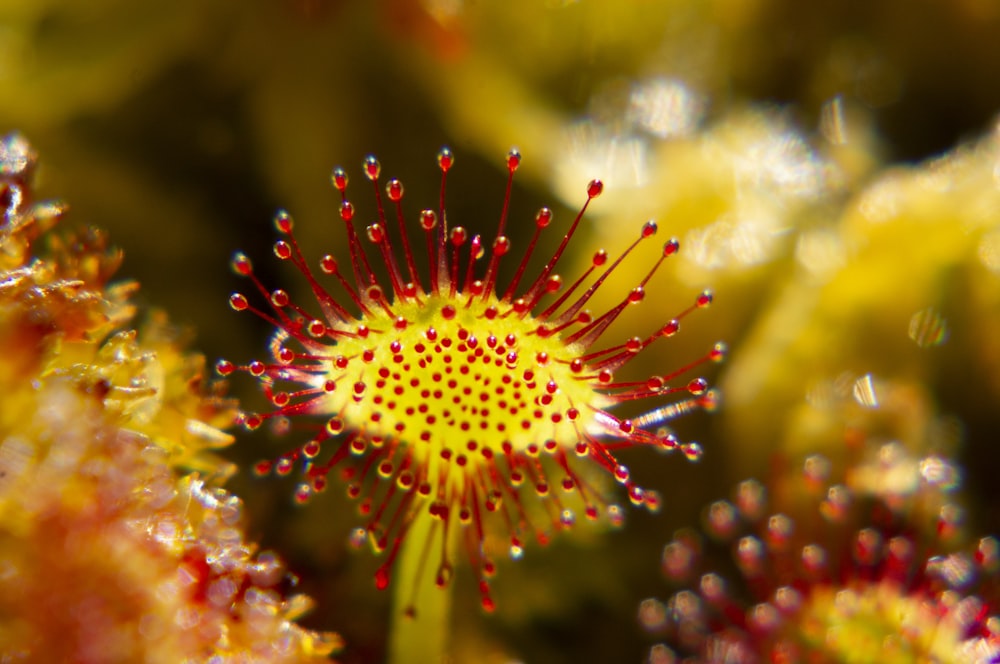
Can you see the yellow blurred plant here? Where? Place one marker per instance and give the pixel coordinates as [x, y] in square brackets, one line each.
[859, 321]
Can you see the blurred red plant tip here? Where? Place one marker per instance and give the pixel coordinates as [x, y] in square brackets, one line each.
[859, 576]
[450, 396]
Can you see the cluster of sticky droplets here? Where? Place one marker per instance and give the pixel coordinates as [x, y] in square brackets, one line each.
[447, 396]
[862, 582]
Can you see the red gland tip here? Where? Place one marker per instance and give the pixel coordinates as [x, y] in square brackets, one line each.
[513, 160]
[594, 188]
[282, 250]
[241, 264]
[543, 218]
[428, 219]
[238, 302]
[394, 190]
[279, 298]
[328, 264]
[445, 159]
[346, 211]
[671, 247]
[372, 167]
[501, 245]
[283, 222]
[339, 179]
[697, 386]
[376, 233]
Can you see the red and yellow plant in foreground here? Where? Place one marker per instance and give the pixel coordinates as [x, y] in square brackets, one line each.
[451, 396]
[112, 549]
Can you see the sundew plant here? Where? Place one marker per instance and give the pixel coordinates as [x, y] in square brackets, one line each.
[455, 425]
[449, 402]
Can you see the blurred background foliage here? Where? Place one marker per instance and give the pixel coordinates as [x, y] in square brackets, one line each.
[831, 168]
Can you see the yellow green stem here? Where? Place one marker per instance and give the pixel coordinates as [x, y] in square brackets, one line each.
[421, 612]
